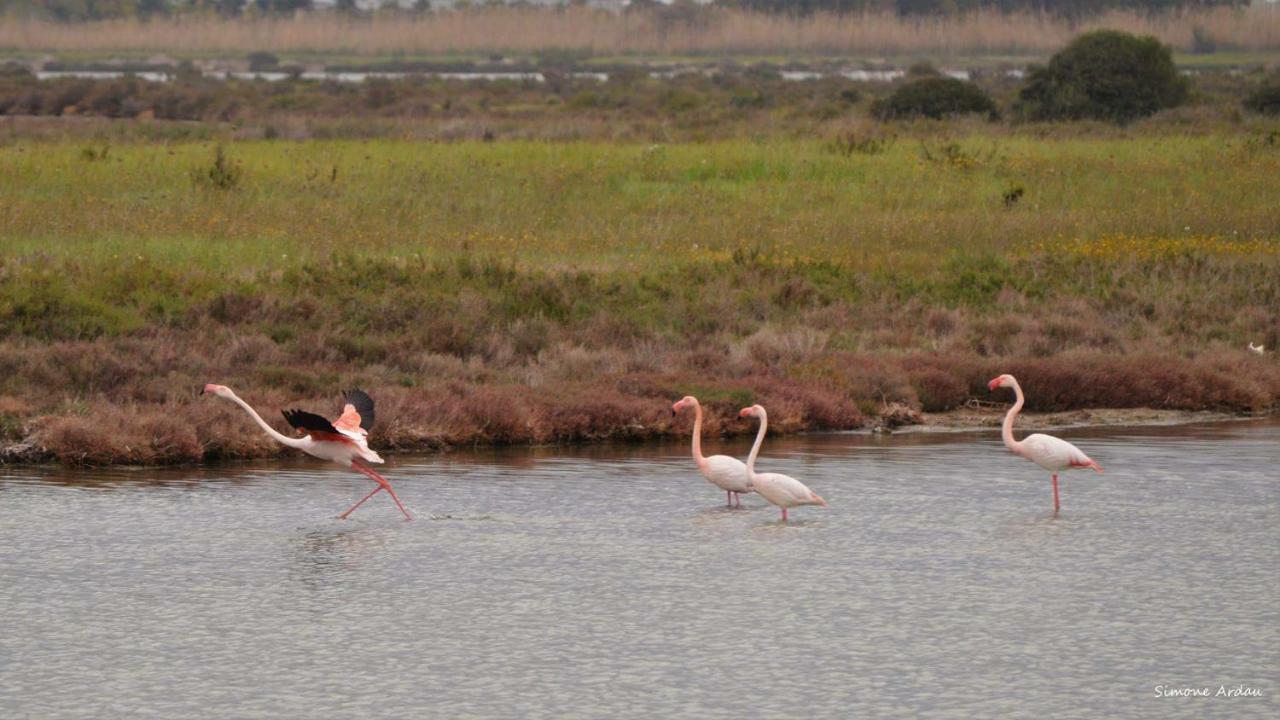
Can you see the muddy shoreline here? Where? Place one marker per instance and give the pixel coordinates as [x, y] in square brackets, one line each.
[28, 453]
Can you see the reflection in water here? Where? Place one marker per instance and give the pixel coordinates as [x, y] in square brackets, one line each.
[612, 581]
[323, 557]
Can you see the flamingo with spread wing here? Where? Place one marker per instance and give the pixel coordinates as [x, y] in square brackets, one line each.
[343, 441]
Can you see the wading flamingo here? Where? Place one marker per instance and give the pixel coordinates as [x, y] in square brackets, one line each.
[1051, 453]
[781, 490]
[342, 441]
[728, 474]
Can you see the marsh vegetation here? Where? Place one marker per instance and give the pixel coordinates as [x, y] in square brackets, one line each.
[515, 292]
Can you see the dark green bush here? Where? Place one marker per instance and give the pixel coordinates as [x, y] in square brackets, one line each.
[1103, 75]
[935, 97]
[1266, 99]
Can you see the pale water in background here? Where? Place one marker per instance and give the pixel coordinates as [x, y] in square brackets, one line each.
[610, 581]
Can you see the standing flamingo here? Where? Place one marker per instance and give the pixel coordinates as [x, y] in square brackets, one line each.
[728, 474]
[1051, 453]
[342, 441]
[781, 490]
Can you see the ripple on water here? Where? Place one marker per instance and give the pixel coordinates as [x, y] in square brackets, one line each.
[615, 583]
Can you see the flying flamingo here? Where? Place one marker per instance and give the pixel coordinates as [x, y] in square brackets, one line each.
[781, 490]
[342, 441]
[726, 473]
[1051, 453]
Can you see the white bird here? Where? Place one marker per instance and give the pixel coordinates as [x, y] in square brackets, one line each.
[1257, 348]
[343, 441]
[781, 490]
[727, 473]
[1051, 453]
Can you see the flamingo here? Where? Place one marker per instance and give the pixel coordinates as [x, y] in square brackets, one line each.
[1051, 453]
[728, 474]
[1257, 349]
[343, 441]
[781, 490]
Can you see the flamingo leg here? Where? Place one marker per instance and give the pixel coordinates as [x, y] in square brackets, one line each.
[784, 514]
[351, 509]
[382, 482]
[728, 498]
[1056, 504]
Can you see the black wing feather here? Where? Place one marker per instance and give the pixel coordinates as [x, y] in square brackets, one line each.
[363, 404]
[303, 420]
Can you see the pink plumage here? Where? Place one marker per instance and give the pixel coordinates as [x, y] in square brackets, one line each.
[1053, 454]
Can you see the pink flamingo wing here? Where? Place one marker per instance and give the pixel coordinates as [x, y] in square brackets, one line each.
[349, 419]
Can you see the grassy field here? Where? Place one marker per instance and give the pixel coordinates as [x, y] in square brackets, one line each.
[546, 292]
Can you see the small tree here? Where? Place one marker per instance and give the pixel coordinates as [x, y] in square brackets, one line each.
[935, 97]
[1266, 99]
[1103, 75]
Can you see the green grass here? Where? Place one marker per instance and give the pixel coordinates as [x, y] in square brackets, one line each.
[603, 206]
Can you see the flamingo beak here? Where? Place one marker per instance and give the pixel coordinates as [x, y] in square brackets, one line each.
[993, 384]
[744, 412]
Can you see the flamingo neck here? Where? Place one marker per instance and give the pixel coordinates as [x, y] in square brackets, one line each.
[282, 439]
[697, 435]
[1006, 431]
[755, 449]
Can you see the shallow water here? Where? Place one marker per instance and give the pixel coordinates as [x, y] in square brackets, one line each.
[611, 581]
[861, 75]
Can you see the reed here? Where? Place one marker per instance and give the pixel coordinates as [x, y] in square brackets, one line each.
[515, 30]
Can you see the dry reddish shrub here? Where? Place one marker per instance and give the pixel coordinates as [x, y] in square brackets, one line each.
[168, 442]
[1077, 381]
[80, 441]
[795, 406]
[941, 322]
[937, 389]
[498, 415]
[596, 413]
[859, 377]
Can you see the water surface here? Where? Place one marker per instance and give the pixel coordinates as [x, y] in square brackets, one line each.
[611, 582]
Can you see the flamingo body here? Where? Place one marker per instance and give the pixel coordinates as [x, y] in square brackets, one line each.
[784, 491]
[781, 490]
[728, 474]
[1053, 454]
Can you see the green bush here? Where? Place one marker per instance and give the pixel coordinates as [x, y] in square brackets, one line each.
[935, 97]
[1103, 75]
[1266, 99]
